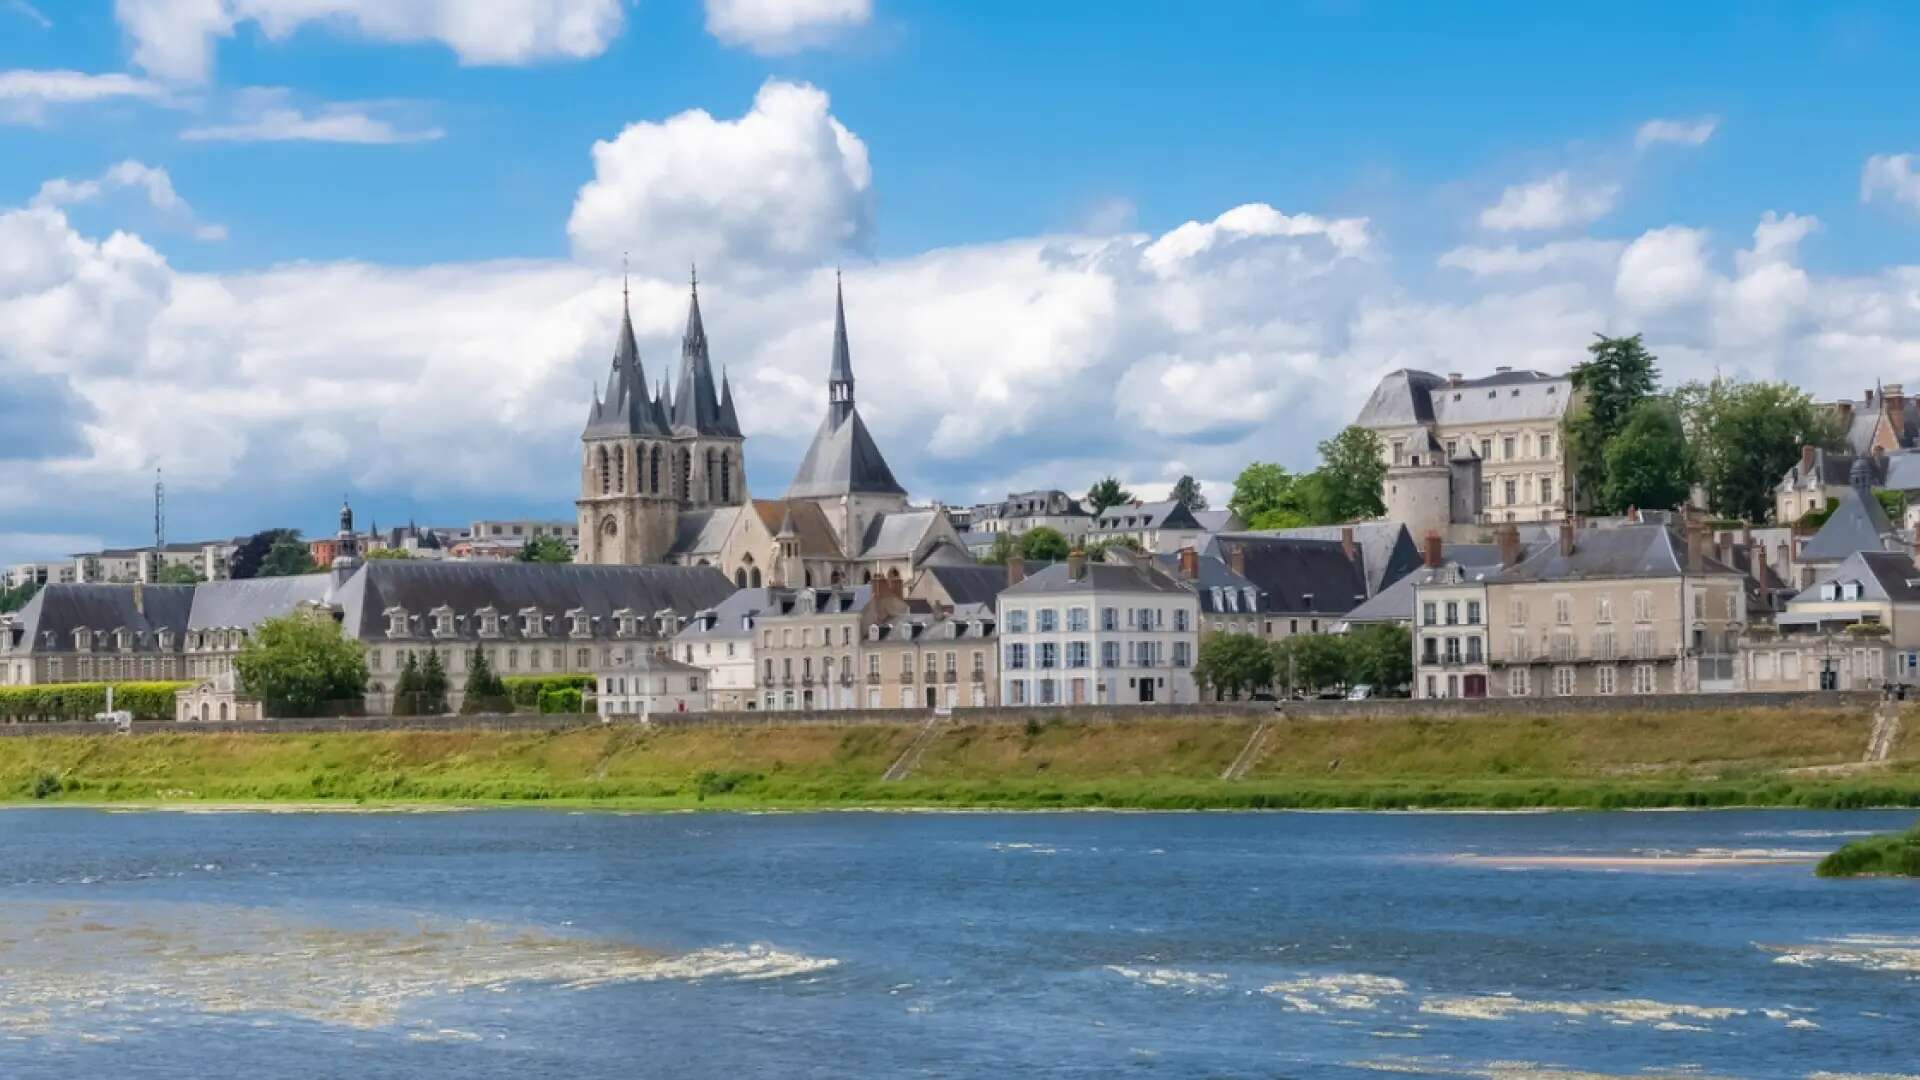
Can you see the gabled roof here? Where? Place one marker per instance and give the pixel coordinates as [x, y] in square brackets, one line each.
[1296, 575]
[843, 460]
[809, 523]
[897, 535]
[1165, 514]
[1387, 549]
[61, 608]
[1883, 575]
[1625, 551]
[728, 615]
[702, 532]
[1409, 398]
[1101, 577]
[1395, 602]
[976, 584]
[1858, 523]
[421, 586]
[698, 406]
[1218, 521]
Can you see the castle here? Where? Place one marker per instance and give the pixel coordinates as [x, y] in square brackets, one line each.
[663, 479]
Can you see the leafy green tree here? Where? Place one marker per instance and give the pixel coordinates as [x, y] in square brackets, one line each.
[1746, 435]
[1893, 502]
[1348, 483]
[1619, 374]
[1263, 489]
[1097, 550]
[1380, 654]
[485, 692]
[406, 690]
[249, 558]
[386, 553]
[177, 574]
[1648, 463]
[1186, 492]
[433, 685]
[1311, 661]
[1231, 664]
[544, 549]
[1001, 551]
[300, 664]
[1106, 492]
[16, 597]
[1042, 544]
[287, 557]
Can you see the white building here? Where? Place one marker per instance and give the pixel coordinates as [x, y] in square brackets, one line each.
[1450, 627]
[720, 641]
[1075, 633]
[645, 684]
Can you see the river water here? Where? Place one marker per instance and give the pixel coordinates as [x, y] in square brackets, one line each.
[544, 943]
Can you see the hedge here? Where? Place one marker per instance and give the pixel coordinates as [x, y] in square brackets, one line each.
[145, 700]
[564, 699]
[525, 690]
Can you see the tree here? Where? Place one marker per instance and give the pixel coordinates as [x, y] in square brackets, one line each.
[1097, 550]
[1001, 551]
[389, 553]
[485, 692]
[1648, 463]
[544, 549]
[1312, 661]
[1232, 663]
[1348, 483]
[1186, 492]
[1746, 435]
[433, 685]
[250, 558]
[406, 690]
[1106, 492]
[1380, 654]
[177, 574]
[1620, 374]
[16, 597]
[1263, 489]
[1042, 544]
[287, 557]
[299, 664]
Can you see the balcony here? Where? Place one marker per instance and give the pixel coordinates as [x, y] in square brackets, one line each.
[979, 675]
[950, 678]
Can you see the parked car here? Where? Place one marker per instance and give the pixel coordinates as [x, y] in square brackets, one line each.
[1360, 692]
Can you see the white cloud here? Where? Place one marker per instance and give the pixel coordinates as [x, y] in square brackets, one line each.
[1663, 268]
[266, 114]
[1552, 203]
[784, 185]
[1675, 132]
[175, 39]
[25, 94]
[772, 27]
[1894, 176]
[1172, 395]
[1512, 259]
[30, 13]
[147, 180]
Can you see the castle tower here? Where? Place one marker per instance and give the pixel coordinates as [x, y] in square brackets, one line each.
[646, 456]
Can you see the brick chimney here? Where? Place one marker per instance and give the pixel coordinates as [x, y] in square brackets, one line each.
[1757, 562]
[1237, 559]
[140, 598]
[1893, 397]
[1566, 538]
[1696, 546]
[1509, 540]
[1431, 551]
[1016, 569]
[1806, 461]
[1077, 563]
[1346, 542]
[1189, 563]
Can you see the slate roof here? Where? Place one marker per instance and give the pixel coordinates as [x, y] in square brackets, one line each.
[1211, 574]
[1395, 602]
[1387, 550]
[61, 608]
[628, 408]
[1883, 575]
[702, 532]
[699, 408]
[554, 589]
[1101, 577]
[1625, 551]
[245, 604]
[896, 535]
[841, 600]
[934, 627]
[728, 615]
[1126, 517]
[1218, 521]
[973, 584]
[1297, 575]
[1409, 398]
[809, 522]
[1858, 523]
[843, 459]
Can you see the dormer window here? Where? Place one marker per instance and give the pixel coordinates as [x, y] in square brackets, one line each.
[82, 639]
[1253, 598]
[443, 625]
[489, 622]
[579, 623]
[624, 622]
[531, 623]
[396, 622]
[164, 640]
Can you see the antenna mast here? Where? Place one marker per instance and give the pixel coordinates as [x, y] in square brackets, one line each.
[159, 511]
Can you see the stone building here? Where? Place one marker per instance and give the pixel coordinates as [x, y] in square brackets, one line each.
[642, 684]
[1471, 451]
[1157, 528]
[1856, 627]
[1078, 633]
[720, 640]
[1023, 510]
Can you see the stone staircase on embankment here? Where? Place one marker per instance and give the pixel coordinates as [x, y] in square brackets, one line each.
[1886, 729]
[1249, 754]
[909, 758]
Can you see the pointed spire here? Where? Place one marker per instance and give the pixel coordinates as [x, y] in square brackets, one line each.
[840, 376]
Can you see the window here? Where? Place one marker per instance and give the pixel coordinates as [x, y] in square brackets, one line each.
[1603, 608]
[1077, 620]
[1546, 446]
[1453, 613]
[1049, 620]
[1513, 491]
[1399, 452]
[1047, 692]
[1486, 493]
[1517, 682]
[1180, 657]
[1699, 604]
[1603, 679]
[1473, 650]
[1563, 609]
[1017, 621]
[1644, 680]
[1642, 606]
[1077, 654]
[1506, 448]
[1430, 650]
[1546, 489]
[1049, 654]
[1473, 613]
[1486, 449]
[1109, 618]
[1180, 619]
[1109, 654]
[1016, 656]
[1603, 647]
[1017, 692]
[1428, 614]
[1453, 650]
[873, 663]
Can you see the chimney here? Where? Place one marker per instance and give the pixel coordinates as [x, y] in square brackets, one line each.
[1237, 559]
[1723, 548]
[1509, 539]
[1806, 461]
[1501, 369]
[1566, 538]
[1189, 563]
[1696, 547]
[1431, 552]
[1453, 378]
[1077, 564]
[1757, 562]
[1894, 397]
[1016, 569]
[140, 598]
[1346, 542]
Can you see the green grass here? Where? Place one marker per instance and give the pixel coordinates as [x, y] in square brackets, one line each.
[1895, 855]
[1700, 759]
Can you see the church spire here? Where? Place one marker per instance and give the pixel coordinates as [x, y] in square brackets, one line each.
[840, 378]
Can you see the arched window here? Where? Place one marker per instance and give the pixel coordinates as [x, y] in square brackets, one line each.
[807, 575]
[739, 579]
[206, 712]
[606, 473]
[653, 471]
[866, 577]
[684, 482]
[713, 474]
[753, 578]
[223, 712]
[726, 478]
[620, 470]
[837, 579]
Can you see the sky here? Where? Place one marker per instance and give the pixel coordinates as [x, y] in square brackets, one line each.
[283, 250]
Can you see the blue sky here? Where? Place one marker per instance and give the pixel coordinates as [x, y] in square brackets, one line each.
[412, 274]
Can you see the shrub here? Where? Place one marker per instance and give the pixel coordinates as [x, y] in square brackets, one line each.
[45, 786]
[561, 699]
[145, 700]
[526, 690]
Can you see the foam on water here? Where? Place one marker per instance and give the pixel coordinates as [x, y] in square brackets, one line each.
[1871, 952]
[77, 968]
[1661, 1015]
[1352, 992]
[1191, 982]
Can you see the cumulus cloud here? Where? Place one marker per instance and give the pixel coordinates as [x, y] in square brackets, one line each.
[1555, 202]
[1663, 268]
[1675, 132]
[25, 95]
[772, 27]
[267, 114]
[784, 185]
[1891, 176]
[153, 184]
[175, 39]
[1513, 259]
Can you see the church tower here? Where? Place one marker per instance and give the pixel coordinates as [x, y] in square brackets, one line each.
[647, 457]
[844, 471]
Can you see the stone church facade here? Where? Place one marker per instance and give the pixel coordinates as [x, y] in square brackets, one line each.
[663, 479]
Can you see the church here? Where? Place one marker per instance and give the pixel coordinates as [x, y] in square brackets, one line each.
[663, 479]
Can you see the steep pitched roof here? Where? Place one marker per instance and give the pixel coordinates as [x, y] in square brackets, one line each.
[1165, 514]
[897, 535]
[61, 608]
[809, 523]
[1884, 575]
[1858, 523]
[243, 605]
[1625, 551]
[1387, 549]
[628, 408]
[702, 532]
[697, 402]
[421, 586]
[1101, 577]
[975, 584]
[1298, 575]
[844, 459]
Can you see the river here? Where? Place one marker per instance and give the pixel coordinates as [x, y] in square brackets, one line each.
[586, 945]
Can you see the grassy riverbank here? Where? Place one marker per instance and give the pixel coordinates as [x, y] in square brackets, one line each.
[1897, 855]
[1755, 757]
